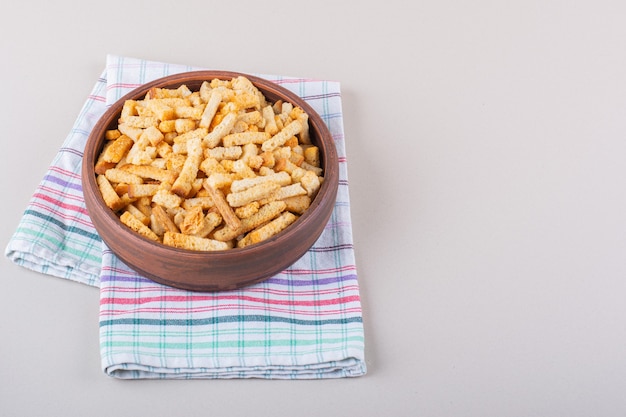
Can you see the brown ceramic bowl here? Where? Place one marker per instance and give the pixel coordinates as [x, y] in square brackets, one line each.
[221, 270]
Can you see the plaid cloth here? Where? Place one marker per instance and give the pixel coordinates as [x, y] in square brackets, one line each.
[304, 323]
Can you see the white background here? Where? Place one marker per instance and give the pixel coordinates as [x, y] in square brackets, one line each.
[486, 152]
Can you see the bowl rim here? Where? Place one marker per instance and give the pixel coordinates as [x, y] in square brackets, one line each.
[323, 139]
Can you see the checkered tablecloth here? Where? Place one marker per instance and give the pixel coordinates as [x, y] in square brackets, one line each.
[303, 323]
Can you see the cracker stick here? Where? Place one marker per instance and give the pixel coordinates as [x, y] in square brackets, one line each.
[252, 118]
[265, 214]
[204, 202]
[220, 152]
[280, 178]
[189, 112]
[167, 199]
[131, 132]
[270, 123]
[317, 170]
[281, 137]
[214, 99]
[272, 228]
[112, 134]
[223, 207]
[147, 171]
[213, 219]
[257, 192]
[136, 225]
[247, 210]
[244, 138]
[183, 184]
[118, 175]
[298, 114]
[111, 199]
[184, 125]
[156, 227]
[220, 180]
[141, 122]
[287, 191]
[182, 241]
[285, 111]
[246, 100]
[298, 204]
[222, 129]
[102, 165]
[142, 190]
[118, 148]
[128, 109]
[205, 91]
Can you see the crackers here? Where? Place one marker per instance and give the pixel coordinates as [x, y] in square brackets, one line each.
[209, 170]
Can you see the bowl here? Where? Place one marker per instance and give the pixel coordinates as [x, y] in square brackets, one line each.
[217, 270]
